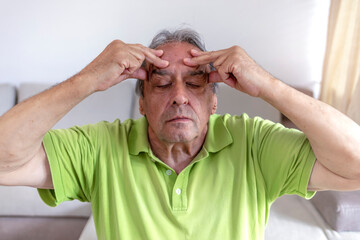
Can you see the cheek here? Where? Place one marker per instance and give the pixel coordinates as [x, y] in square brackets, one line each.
[203, 105]
[153, 106]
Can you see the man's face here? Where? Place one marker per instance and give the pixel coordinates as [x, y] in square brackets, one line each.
[178, 99]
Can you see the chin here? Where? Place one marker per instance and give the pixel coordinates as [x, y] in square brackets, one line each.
[179, 137]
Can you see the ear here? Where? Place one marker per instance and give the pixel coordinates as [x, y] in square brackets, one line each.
[214, 107]
[141, 106]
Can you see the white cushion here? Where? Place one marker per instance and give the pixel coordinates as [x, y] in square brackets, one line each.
[292, 217]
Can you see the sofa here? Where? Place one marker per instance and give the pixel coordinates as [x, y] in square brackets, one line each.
[329, 215]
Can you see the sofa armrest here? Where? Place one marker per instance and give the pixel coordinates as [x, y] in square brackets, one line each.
[89, 231]
[341, 210]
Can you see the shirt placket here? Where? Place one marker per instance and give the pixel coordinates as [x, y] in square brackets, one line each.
[179, 192]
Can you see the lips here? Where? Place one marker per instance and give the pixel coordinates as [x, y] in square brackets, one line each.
[179, 119]
[179, 114]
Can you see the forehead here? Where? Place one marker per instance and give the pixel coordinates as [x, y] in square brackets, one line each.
[175, 52]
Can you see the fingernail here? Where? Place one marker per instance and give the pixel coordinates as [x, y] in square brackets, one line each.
[187, 59]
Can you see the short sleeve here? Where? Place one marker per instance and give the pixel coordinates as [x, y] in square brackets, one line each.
[70, 153]
[285, 157]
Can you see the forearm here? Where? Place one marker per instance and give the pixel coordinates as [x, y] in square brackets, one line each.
[24, 126]
[334, 137]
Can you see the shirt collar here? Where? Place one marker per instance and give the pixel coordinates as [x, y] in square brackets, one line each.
[217, 137]
[138, 137]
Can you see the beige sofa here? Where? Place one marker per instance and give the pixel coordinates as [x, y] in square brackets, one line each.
[24, 216]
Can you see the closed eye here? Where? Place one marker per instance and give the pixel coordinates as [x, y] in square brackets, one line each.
[193, 85]
[164, 85]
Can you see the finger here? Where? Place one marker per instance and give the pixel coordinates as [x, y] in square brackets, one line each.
[231, 81]
[219, 61]
[214, 76]
[228, 76]
[155, 60]
[202, 58]
[151, 55]
[157, 52]
[223, 74]
[195, 53]
[139, 74]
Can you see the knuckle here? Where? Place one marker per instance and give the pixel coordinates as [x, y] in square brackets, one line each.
[118, 54]
[216, 64]
[237, 71]
[116, 42]
[124, 63]
[236, 47]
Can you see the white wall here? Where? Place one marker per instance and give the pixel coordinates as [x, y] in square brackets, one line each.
[49, 41]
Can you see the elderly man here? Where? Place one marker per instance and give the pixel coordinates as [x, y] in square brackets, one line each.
[182, 171]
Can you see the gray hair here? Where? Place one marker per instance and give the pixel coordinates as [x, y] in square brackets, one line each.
[186, 35]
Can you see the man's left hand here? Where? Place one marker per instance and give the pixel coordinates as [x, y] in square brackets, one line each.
[233, 67]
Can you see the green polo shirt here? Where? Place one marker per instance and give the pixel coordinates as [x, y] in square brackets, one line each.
[225, 193]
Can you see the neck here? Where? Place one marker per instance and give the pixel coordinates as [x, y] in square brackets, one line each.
[176, 155]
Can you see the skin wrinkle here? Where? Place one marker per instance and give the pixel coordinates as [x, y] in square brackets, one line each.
[177, 102]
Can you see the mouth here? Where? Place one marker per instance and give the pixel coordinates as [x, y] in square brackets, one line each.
[179, 119]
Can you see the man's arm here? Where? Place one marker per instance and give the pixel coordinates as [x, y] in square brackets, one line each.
[23, 160]
[334, 138]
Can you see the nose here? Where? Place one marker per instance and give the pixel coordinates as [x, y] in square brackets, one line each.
[179, 95]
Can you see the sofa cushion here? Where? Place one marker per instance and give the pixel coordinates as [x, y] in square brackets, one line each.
[341, 210]
[35, 228]
[7, 97]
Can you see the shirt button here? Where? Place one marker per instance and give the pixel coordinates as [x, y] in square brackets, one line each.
[168, 172]
[178, 191]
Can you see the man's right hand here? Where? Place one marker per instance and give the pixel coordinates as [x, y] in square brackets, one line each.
[120, 61]
[23, 160]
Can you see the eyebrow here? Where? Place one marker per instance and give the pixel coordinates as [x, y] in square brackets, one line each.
[160, 72]
[196, 73]
[164, 72]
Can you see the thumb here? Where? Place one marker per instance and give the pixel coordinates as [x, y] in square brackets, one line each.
[228, 79]
[139, 74]
[214, 76]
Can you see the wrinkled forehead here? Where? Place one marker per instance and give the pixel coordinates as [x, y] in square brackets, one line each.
[175, 53]
[176, 50]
